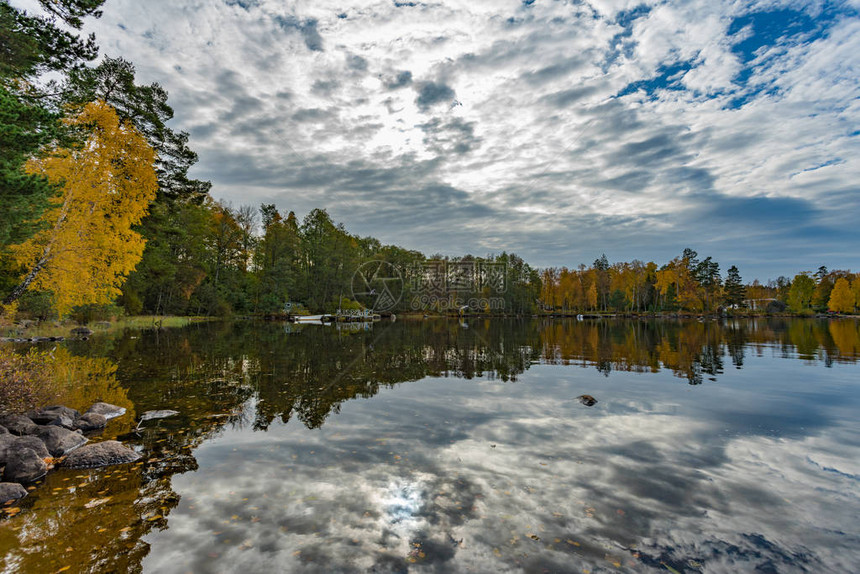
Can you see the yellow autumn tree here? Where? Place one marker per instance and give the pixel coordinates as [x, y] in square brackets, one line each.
[841, 298]
[105, 185]
[855, 288]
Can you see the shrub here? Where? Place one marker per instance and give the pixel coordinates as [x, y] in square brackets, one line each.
[26, 381]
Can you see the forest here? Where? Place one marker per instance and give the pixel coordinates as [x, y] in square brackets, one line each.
[99, 217]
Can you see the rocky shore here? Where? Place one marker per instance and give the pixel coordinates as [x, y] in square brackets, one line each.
[53, 437]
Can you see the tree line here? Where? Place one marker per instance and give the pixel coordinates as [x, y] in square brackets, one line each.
[99, 215]
[689, 284]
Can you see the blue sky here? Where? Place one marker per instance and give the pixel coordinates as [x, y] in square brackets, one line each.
[558, 130]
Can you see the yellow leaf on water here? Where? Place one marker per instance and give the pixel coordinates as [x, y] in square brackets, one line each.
[96, 502]
[64, 568]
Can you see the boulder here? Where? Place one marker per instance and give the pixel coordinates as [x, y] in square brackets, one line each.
[107, 410]
[4, 430]
[63, 421]
[82, 331]
[19, 424]
[91, 421]
[10, 491]
[10, 443]
[60, 441]
[105, 453]
[24, 465]
[49, 415]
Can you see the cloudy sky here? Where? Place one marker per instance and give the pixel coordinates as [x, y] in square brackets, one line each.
[556, 129]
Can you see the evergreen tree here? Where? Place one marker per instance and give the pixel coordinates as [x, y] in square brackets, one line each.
[735, 292]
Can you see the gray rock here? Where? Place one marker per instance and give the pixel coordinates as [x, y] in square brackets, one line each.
[82, 331]
[49, 415]
[59, 440]
[24, 465]
[105, 453]
[4, 430]
[152, 415]
[19, 424]
[10, 491]
[107, 410]
[63, 421]
[91, 421]
[10, 444]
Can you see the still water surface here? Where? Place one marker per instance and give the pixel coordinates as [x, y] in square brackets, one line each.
[436, 446]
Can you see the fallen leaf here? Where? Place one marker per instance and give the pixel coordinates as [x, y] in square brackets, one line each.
[96, 502]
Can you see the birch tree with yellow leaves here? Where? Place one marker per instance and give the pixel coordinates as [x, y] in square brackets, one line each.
[87, 245]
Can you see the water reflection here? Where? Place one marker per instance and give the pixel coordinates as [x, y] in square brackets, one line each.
[754, 467]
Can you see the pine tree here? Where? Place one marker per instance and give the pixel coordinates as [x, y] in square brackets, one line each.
[734, 287]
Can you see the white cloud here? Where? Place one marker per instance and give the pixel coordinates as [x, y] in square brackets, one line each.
[536, 85]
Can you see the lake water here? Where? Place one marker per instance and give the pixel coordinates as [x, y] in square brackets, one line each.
[440, 446]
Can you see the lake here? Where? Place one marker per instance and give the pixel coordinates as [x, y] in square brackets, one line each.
[446, 446]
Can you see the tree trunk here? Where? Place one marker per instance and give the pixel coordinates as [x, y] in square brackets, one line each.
[22, 287]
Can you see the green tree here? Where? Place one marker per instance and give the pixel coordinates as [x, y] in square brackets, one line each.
[113, 81]
[30, 110]
[277, 260]
[801, 292]
[735, 291]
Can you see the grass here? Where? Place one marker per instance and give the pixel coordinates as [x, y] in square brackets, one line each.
[63, 329]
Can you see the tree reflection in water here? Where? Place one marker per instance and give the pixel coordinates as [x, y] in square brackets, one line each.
[243, 375]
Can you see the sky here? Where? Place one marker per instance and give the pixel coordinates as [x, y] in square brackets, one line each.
[558, 130]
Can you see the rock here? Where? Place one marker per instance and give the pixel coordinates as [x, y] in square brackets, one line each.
[4, 430]
[49, 415]
[63, 421]
[10, 444]
[19, 424]
[100, 454]
[10, 491]
[107, 410]
[587, 400]
[152, 415]
[24, 465]
[60, 441]
[91, 421]
[81, 331]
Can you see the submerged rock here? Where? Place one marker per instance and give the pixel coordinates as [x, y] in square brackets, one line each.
[60, 441]
[101, 454]
[106, 410]
[587, 400]
[90, 422]
[24, 465]
[55, 415]
[19, 424]
[10, 491]
[151, 415]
